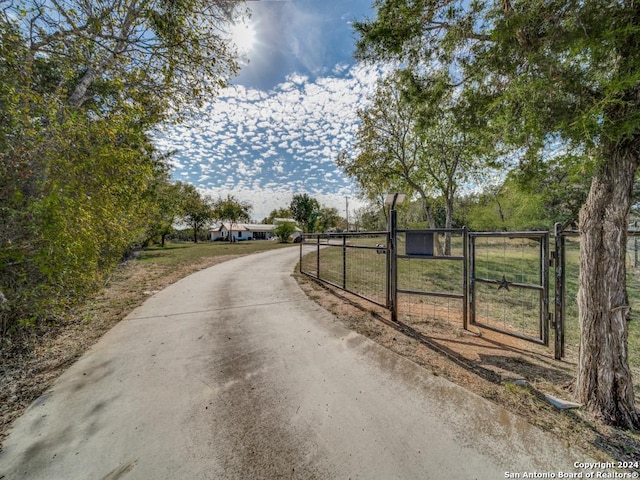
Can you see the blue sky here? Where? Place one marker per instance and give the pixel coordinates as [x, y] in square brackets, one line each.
[277, 130]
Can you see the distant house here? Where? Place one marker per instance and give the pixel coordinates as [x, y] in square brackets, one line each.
[247, 231]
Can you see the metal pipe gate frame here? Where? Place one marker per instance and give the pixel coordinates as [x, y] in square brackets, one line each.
[555, 258]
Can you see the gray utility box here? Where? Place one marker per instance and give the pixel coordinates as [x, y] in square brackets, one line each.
[419, 243]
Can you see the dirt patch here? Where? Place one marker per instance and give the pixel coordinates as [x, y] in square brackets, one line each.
[508, 371]
[31, 363]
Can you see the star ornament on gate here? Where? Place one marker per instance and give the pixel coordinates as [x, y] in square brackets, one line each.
[503, 283]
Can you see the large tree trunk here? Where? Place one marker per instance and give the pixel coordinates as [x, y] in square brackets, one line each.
[431, 221]
[604, 384]
[448, 222]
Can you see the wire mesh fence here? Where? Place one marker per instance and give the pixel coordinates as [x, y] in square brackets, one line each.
[570, 305]
[431, 286]
[355, 262]
[509, 283]
[494, 280]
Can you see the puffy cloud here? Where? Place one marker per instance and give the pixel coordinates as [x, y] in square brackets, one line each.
[263, 146]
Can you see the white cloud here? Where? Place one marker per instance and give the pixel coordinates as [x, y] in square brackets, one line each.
[266, 146]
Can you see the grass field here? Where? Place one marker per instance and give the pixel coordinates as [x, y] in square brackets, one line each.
[180, 253]
[633, 290]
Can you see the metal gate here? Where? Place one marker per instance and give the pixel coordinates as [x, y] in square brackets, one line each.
[509, 283]
[494, 280]
[429, 275]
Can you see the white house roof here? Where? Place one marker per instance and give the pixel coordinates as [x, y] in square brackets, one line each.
[247, 227]
[284, 220]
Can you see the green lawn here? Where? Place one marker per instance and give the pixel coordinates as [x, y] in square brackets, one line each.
[185, 252]
[571, 307]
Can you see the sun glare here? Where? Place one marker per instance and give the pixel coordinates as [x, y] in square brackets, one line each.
[243, 36]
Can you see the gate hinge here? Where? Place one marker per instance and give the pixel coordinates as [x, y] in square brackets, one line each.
[552, 320]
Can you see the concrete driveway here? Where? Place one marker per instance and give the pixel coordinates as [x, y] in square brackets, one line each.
[232, 373]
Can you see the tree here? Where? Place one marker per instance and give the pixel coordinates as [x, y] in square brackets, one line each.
[305, 210]
[371, 217]
[389, 153]
[174, 49]
[197, 210]
[327, 218]
[412, 139]
[284, 230]
[231, 210]
[451, 157]
[538, 73]
[277, 213]
[166, 203]
[81, 85]
[507, 207]
[561, 184]
[71, 207]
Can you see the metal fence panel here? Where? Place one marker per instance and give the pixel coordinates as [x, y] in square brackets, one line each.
[566, 306]
[354, 262]
[509, 283]
[431, 277]
[495, 280]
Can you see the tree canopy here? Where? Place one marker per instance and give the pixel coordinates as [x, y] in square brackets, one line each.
[537, 74]
[82, 83]
[410, 141]
[231, 210]
[103, 50]
[277, 213]
[284, 230]
[305, 210]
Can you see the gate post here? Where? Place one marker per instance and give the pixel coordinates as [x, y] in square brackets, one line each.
[471, 290]
[393, 270]
[559, 290]
[393, 199]
[544, 281]
[465, 278]
[388, 266]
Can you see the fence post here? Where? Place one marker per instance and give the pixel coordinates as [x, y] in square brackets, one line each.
[388, 266]
[559, 289]
[544, 281]
[465, 278]
[635, 246]
[344, 262]
[393, 228]
[318, 257]
[471, 290]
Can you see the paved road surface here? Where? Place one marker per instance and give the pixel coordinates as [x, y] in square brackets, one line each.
[232, 373]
